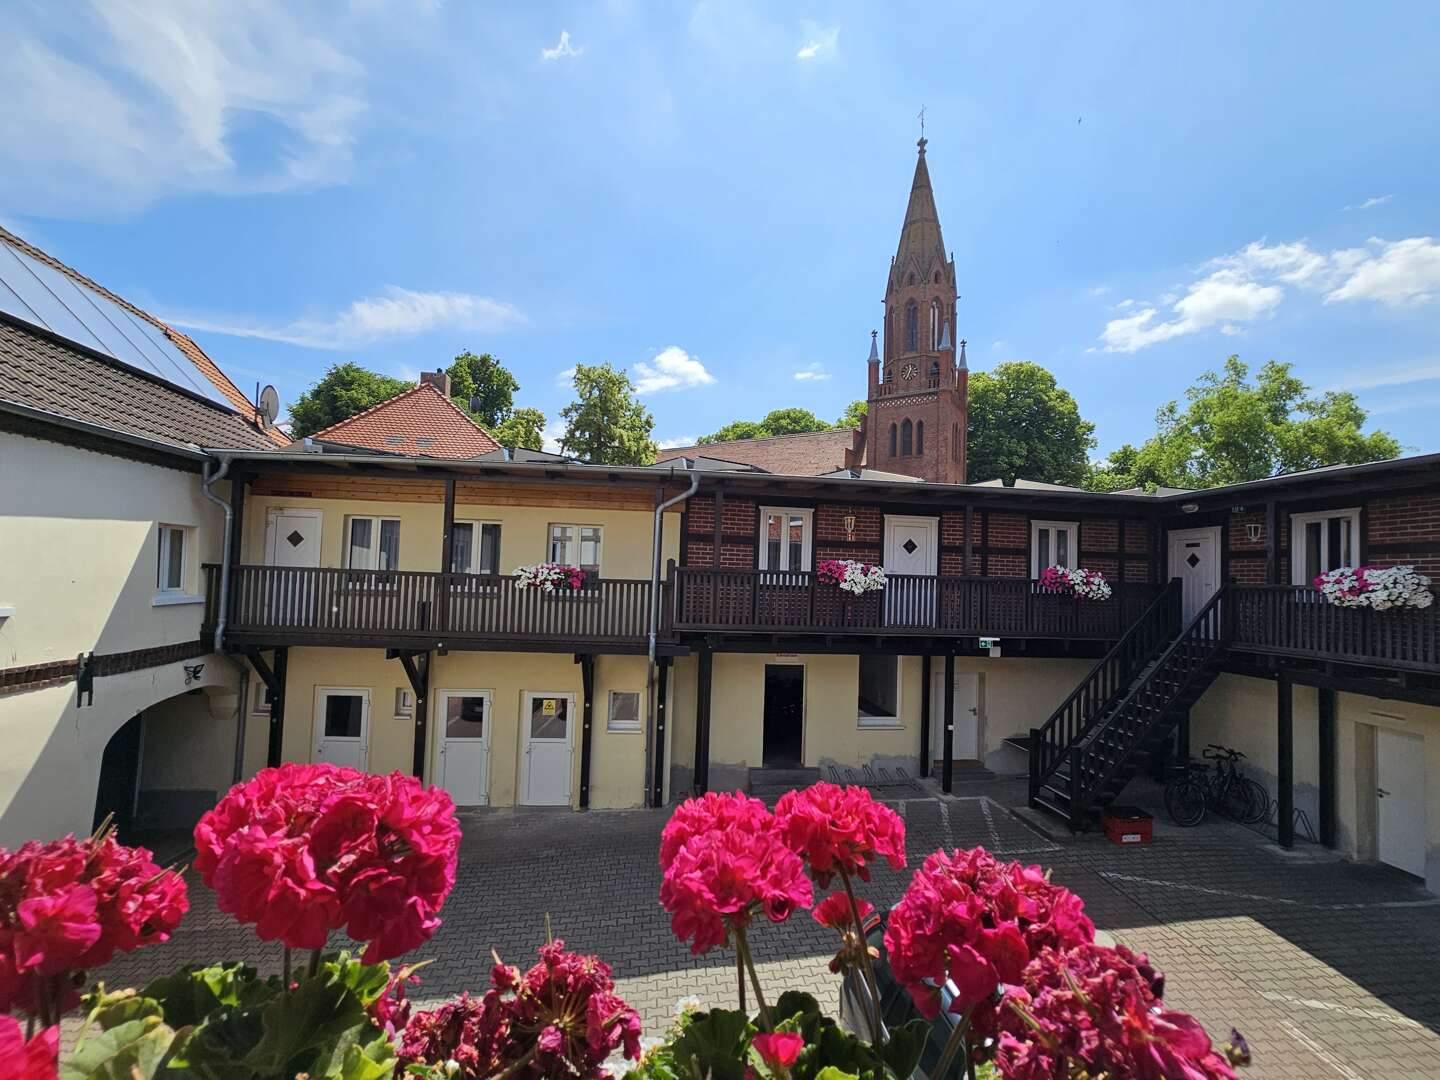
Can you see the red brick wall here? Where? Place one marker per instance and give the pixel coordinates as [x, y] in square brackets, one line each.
[1404, 529]
[737, 547]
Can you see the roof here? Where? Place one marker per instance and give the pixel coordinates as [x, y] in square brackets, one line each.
[920, 239]
[52, 378]
[420, 422]
[209, 372]
[811, 454]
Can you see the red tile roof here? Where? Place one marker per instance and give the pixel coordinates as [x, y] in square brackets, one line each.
[812, 454]
[421, 422]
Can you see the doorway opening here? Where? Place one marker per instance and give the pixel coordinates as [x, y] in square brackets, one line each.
[119, 790]
[784, 715]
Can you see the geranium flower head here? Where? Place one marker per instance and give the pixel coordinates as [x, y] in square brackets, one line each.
[32, 1059]
[779, 1049]
[840, 830]
[834, 911]
[712, 812]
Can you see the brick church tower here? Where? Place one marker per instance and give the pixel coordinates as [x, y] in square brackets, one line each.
[917, 395]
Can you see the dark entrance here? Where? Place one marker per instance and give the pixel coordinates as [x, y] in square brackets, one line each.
[120, 775]
[784, 714]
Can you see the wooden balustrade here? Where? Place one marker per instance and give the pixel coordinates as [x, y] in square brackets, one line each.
[1296, 620]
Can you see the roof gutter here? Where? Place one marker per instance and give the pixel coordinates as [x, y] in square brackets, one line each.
[222, 604]
[654, 797]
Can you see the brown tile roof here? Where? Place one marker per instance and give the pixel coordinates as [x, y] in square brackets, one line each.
[40, 370]
[207, 367]
[399, 425]
[812, 454]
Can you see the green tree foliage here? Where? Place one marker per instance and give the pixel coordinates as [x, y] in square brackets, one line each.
[1232, 429]
[1023, 424]
[486, 378]
[854, 415]
[523, 429]
[605, 425]
[343, 391]
[779, 422]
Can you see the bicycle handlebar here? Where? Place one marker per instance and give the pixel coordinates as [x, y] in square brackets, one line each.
[1223, 752]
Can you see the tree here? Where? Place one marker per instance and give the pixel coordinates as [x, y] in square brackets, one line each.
[792, 421]
[523, 429]
[343, 391]
[605, 425]
[486, 378]
[1232, 430]
[1022, 424]
[854, 415]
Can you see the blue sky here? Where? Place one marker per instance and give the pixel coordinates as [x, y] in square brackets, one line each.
[708, 194]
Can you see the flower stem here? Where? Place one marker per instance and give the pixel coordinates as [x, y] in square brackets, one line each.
[877, 1030]
[740, 977]
[959, 1037]
[286, 969]
[518, 1064]
[313, 968]
[743, 945]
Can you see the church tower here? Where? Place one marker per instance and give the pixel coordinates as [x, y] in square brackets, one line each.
[917, 412]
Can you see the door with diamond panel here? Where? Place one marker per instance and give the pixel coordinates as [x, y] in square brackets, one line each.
[1195, 560]
[292, 541]
[911, 559]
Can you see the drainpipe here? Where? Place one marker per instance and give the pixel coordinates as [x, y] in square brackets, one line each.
[655, 796]
[222, 604]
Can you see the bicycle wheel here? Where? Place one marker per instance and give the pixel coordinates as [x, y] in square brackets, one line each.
[1236, 799]
[1185, 802]
[1257, 799]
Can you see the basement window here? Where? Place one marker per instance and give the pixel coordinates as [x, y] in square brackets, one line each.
[879, 697]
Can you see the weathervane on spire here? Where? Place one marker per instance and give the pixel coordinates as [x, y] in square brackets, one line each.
[922, 124]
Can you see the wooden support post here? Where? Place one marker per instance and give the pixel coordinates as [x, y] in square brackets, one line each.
[1327, 767]
[965, 565]
[234, 556]
[417, 669]
[1272, 543]
[719, 540]
[1285, 758]
[925, 755]
[275, 745]
[702, 720]
[447, 556]
[947, 767]
[587, 720]
[662, 697]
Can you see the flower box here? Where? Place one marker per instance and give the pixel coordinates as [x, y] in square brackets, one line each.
[1379, 588]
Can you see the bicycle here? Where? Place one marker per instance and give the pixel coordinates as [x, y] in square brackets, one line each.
[1215, 784]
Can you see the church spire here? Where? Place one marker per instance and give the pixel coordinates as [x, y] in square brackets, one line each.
[922, 248]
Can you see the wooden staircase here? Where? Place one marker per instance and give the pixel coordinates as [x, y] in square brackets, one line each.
[1125, 709]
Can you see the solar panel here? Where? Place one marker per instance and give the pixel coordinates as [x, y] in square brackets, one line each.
[43, 296]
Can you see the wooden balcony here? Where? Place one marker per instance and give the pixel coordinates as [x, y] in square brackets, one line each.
[402, 608]
[765, 602]
[1295, 620]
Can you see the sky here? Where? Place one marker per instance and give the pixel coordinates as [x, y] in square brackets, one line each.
[709, 194]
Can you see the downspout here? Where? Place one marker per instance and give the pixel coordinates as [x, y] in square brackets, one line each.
[654, 797]
[221, 606]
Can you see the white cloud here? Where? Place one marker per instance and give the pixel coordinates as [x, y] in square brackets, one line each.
[679, 440]
[1097, 291]
[671, 369]
[1395, 274]
[813, 372]
[563, 49]
[1370, 378]
[1212, 301]
[112, 105]
[1373, 201]
[395, 314]
[565, 380]
[818, 42]
[552, 434]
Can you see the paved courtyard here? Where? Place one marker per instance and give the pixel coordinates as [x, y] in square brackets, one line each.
[1329, 968]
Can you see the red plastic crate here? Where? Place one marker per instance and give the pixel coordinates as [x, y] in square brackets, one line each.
[1127, 825]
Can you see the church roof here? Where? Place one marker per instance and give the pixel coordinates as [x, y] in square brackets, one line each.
[920, 238]
[812, 454]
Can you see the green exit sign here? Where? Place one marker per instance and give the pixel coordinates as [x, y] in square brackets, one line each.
[989, 643]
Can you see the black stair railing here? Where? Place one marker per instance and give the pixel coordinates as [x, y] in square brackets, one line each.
[1103, 686]
[1096, 759]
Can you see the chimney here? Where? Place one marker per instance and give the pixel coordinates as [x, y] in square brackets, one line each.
[437, 379]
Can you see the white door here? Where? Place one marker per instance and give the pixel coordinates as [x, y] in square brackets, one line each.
[342, 726]
[966, 740]
[911, 548]
[462, 719]
[548, 725]
[1400, 792]
[1195, 560]
[292, 539]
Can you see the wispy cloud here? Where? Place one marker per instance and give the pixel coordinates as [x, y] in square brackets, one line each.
[397, 313]
[679, 440]
[1399, 375]
[562, 49]
[812, 372]
[1249, 284]
[1374, 200]
[554, 431]
[565, 380]
[819, 42]
[672, 369]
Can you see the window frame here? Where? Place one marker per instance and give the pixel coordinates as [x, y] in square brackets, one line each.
[807, 539]
[594, 571]
[610, 725]
[1072, 528]
[377, 523]
[891, 722]
[477, 526]
[165, 542]
[1298, 522]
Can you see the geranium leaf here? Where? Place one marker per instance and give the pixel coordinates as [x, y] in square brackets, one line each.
[830, 1072]
[902, 1050]
[797, 1003]
[135, 1047]
[713, 1044]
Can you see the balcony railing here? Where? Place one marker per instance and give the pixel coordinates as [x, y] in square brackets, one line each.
[761, 601]
[317, 604]
[1297, 621]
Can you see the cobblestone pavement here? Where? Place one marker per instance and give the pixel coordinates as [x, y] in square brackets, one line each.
[1327, 967]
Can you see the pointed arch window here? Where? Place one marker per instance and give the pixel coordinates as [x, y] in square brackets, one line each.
[935, 319]
[907, 438]
[937, 277]
[892, 440]
[912, 326]
[919, 437]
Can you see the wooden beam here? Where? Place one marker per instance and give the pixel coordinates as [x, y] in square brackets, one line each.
[587, 722]
[1327, 768]
[947, 767]
[702, 721]
[417, 670]
[662, 693]
[237, 533]
[276, 742]
[1285, 758]
[1272, 543]
[447, 538]
[925, 755]
[967, 563]
[719, 528]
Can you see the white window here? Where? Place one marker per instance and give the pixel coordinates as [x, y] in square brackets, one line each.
[1326, 540]
[263, 698]
[476, 548]
[624, 713]
[576, 545]
[879, 698]
[170, 573]
[785, 538]
[372, 543]
[1053, 543]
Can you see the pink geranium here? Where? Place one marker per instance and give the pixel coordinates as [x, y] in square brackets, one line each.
[32, 1059]
[713, 811]
[779, 1050]
[302, 850]
[840, 830]
[834, 912]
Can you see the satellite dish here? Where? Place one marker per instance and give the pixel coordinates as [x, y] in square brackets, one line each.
[268, 406]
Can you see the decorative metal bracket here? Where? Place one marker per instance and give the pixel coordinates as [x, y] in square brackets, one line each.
[85, 680]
